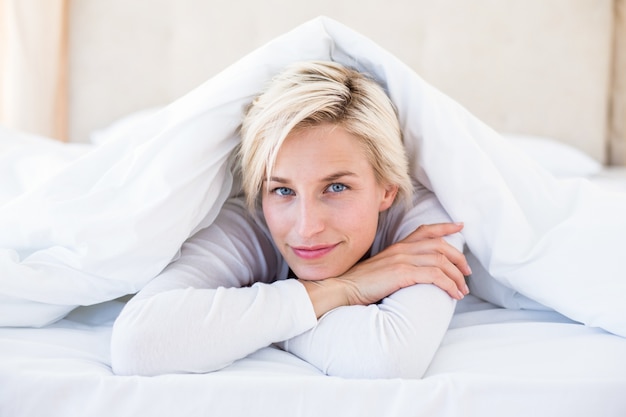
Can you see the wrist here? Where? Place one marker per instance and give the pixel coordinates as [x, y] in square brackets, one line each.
[326, 295]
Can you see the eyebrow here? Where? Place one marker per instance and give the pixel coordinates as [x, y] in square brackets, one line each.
[330, 178]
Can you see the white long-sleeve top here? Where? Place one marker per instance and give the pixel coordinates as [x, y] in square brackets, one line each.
[227, 295]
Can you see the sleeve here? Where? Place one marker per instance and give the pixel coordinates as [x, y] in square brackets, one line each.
[211, 306]
[397, 337]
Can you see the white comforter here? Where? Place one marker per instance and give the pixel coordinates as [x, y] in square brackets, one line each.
[110, 220]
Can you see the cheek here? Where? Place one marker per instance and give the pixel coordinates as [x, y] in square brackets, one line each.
[275, 218]
[360, 221]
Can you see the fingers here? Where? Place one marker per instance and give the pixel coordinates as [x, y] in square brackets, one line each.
[423, 257]
[406, 270]
[431, 231]
[440, 262]
[435, 246]
[442, 273]
[435, 276]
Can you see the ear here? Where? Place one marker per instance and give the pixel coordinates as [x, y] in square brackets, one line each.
[389, 195]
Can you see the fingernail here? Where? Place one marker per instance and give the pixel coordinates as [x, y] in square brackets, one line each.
[461, 295]
[466, 289]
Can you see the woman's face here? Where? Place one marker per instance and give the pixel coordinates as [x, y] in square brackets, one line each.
[322, 202]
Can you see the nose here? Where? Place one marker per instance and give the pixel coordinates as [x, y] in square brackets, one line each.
[311, 218]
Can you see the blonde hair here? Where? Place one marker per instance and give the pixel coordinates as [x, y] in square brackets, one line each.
[312, 93]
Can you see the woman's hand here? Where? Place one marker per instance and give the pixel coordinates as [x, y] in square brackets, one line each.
[423, 257]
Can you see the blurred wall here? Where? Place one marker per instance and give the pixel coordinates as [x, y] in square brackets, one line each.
[617, 137]
[33, 66]
[540, 67]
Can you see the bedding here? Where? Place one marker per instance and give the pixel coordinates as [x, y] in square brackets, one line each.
[492, 362]
[102, 220]
[112, 219]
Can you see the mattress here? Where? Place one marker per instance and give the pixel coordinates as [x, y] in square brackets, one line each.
[492, 362]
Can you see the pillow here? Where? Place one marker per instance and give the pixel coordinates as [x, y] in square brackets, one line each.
[561, 159]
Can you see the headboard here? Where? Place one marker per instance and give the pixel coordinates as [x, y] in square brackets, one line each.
[523, 66]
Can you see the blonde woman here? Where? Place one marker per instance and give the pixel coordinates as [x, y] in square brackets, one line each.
[332, 253]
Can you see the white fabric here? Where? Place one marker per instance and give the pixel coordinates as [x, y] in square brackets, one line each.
[492, 363]
[112, 220]
[560, 159]
[27, 161]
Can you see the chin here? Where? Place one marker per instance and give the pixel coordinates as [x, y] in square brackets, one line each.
[312, 277]
[314, 274]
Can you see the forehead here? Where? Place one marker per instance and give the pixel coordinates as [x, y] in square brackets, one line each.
[321, 148]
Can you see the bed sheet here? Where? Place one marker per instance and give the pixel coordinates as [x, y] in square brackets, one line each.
[492, 362]
[613, 177]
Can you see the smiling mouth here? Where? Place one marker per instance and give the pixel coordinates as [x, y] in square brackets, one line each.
[313, 252]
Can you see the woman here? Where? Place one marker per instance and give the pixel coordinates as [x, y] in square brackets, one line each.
[325, 177]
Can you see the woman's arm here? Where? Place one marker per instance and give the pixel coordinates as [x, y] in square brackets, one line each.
[206, 309]
[399, 336]
[394, 339]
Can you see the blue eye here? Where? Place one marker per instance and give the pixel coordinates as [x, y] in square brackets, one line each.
[337, 188]
[283, 191]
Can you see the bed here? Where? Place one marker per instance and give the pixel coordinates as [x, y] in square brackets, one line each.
[493, 361]
[514, 348]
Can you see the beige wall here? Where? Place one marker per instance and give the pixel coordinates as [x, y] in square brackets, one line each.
[33, 66]
[526, 66]
[617, 132]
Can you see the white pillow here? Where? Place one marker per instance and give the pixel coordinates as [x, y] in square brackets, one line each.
[561, 159]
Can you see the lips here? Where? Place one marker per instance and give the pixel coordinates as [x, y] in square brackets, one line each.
[312, 252]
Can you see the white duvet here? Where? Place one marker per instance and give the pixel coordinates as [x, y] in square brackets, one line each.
[110, 220]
